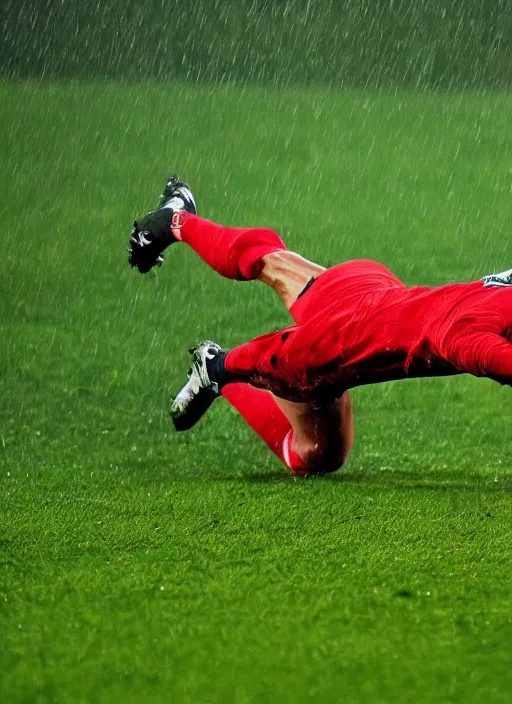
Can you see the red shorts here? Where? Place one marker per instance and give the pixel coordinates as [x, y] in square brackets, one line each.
[309, 355]
[326, 291]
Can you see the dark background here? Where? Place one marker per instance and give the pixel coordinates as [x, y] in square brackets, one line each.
[454, 44]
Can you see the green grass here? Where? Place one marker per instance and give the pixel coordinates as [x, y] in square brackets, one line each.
[138, 565]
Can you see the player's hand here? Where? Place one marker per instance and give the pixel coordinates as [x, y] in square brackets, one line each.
[144, 249]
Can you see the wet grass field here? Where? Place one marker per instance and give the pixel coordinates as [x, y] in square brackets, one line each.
[139, 565]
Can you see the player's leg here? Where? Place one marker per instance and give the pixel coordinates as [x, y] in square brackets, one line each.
[318, 438]
[233, 252]
[249, 253]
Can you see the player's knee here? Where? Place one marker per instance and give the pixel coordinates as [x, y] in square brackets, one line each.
[321, 458]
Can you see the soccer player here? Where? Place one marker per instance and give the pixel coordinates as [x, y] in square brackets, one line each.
[355, 323]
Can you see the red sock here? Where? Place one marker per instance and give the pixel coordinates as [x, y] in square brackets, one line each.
[261, 412]
[235, 253]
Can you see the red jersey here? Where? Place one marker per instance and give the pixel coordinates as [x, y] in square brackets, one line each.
[359, 324]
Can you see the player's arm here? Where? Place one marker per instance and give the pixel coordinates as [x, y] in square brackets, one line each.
[482, 353]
